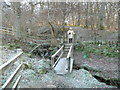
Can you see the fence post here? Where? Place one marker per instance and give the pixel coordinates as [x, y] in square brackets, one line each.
[52, 61]
[72, 51]
[13, 31]
[62, 50]
[0, 78]
[68, 59]
[18, 51]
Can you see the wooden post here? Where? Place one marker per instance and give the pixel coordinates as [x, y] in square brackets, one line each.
[72, 52]
[0, 78]
[65, 37]
[52, 61]
[62, 50]
[1, 62]
[18, 51]
[68, 60]
[13, 30]
[53, 56]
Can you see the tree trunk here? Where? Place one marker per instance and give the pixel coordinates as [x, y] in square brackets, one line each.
[78, 14]
[17, 11]
[53, 33]
[18, 29]
[86, 21]
[102, 14]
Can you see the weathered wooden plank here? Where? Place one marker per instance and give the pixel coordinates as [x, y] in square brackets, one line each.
[11, 77]
[70, 51]
[71, 64]
[10, 61]
[16, 83]
[62, 66]
[35, 48]
[53, 56]
[6, 28]
[6, 31]
[70, 58]
[57, 60]
[57, 51]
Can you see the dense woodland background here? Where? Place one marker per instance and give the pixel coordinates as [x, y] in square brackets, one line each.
[38, 28]
[32, 18]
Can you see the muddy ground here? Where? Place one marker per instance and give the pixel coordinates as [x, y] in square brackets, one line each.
[100, 66]
[103, 66]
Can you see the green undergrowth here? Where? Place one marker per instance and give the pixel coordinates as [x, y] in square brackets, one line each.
[18, 44]
[27, 66]
[12, 46]
[42, 71]
[105, 48]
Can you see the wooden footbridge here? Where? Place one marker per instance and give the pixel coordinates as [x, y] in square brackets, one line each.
[62, 60]
[64, 63]
[61, 63]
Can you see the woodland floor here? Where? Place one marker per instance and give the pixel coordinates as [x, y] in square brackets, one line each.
[106, 67]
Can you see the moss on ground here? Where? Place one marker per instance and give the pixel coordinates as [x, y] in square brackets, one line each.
[106, 48]
[27, 66]
[42, 71]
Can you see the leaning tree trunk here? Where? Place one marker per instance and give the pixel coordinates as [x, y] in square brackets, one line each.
[53, 33]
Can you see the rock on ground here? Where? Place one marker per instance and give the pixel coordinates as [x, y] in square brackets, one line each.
[77, 79]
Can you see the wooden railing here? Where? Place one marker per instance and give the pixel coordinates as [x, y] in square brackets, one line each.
[70, 53]
[11, 82]
[53, 63]
[70, 58]
[5, 30]
[11, 61]
[37, 41]
[35, 48]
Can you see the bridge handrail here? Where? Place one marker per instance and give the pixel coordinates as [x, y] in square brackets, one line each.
[35, 48]
[53, 56]
[57, 60]
[10, 61]
[17, 81]
[14, 74]
[70, 52]
[70, 58]
[11, 77]
[57, 51]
